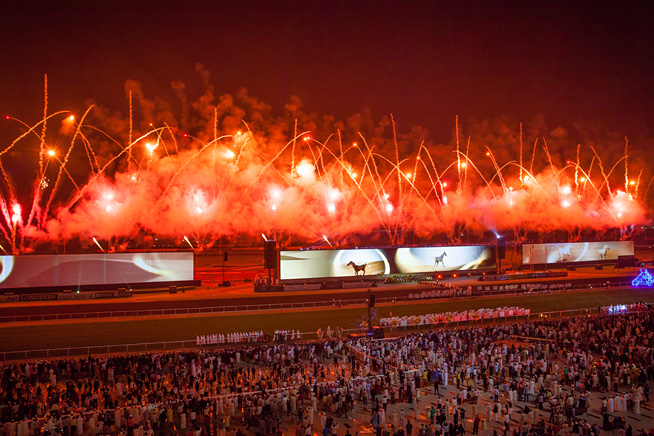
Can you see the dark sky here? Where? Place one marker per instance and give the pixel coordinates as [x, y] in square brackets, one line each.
[423, 61]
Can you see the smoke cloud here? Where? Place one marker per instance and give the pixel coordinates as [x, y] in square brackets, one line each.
[227, 165]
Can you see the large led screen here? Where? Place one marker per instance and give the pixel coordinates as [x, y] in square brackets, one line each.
[332, 263]
[455, 258]
[294, 265]
[572, 252]
[94, 269]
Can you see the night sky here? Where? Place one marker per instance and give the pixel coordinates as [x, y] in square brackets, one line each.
[425, 62]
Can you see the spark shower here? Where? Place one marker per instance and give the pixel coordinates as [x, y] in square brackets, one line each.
[225, 166]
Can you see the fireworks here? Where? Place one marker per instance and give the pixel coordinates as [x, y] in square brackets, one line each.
[98, 244]
[15, 217]
[235, 175]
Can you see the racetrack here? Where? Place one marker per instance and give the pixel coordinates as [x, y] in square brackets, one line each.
[48, 335]
[149, 317]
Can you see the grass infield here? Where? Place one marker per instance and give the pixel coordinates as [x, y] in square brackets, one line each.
[18, 337]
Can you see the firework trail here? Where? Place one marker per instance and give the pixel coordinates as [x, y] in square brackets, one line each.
[237, 170]
[43, 129]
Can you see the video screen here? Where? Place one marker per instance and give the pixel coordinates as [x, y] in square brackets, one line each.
[94, 269]
[435, 259]
[332, 263]
[571, 252]
[315, 264]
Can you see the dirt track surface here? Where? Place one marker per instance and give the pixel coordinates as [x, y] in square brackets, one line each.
[237, 298]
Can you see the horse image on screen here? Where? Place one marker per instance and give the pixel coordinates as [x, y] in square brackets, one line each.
[425, 259]
[573, 252]
[312, 264]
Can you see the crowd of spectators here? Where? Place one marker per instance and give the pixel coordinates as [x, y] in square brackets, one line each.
[553, 365]
[445, 291]
[535, 378]
[447, 317]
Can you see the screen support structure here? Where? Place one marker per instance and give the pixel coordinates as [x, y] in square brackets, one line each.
[270, 259]
[225, 256]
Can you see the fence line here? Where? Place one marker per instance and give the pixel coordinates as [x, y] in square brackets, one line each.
[257, 308]
[186, 344]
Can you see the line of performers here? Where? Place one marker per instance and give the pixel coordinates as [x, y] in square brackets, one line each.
[230, 338]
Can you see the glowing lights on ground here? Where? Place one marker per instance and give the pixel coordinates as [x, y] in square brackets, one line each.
[565, 203]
